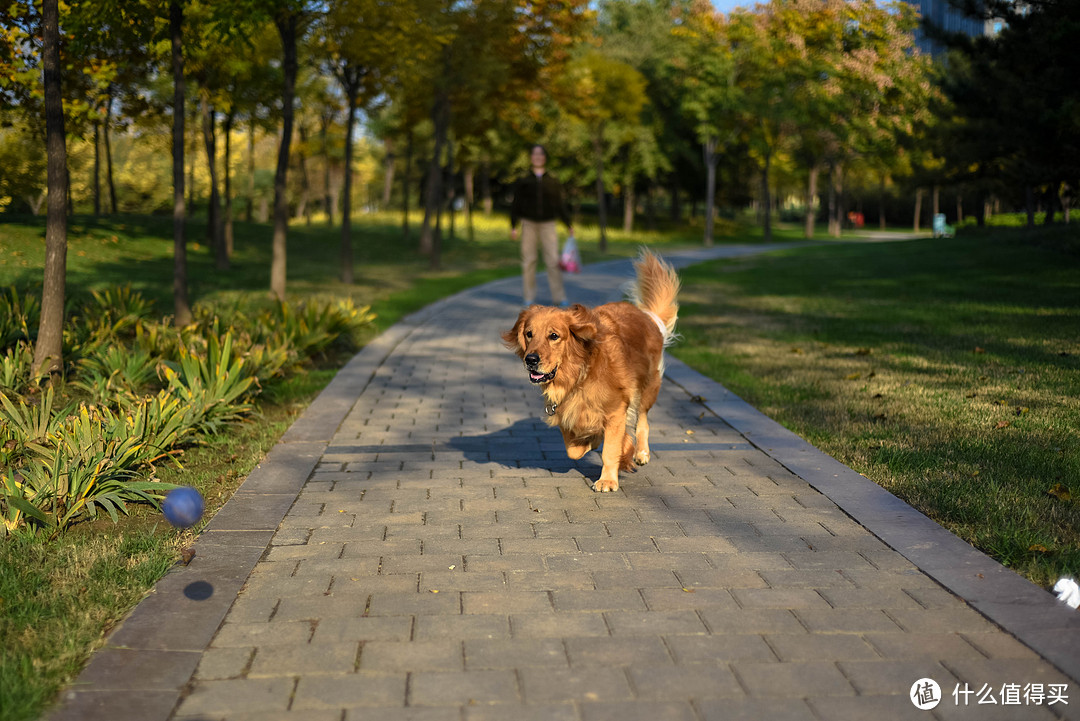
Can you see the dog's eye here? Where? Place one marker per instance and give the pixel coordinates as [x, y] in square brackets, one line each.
[553, 336]
[528, 335]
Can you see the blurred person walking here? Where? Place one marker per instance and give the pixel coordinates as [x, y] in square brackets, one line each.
[538, 204]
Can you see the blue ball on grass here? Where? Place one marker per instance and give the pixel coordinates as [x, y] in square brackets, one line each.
[183, 507]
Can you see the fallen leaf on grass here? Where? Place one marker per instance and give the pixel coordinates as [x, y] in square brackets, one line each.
[1021, 411]
[1038, 548]
[854, 376]
[979, 350]
[1060, 491]
[1003, 424]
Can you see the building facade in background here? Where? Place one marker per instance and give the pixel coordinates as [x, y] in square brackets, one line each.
[945, 16]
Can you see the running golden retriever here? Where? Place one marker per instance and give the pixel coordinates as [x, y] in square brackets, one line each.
[600, 369]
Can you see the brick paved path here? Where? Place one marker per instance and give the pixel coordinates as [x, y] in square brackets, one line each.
[425, 550]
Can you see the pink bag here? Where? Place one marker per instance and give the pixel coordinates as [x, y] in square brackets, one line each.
[570, 258]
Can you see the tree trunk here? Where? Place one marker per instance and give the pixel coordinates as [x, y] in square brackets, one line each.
[327, 200]
[215, 223]
[709, 150]
[250, 213]
[406, 185]
[388, 172]
[430, 241]
[1029, 205]
[601, 202]
[346, 213]
[451, 185]
[811, 195]
[935, 201]
[766, 200]
[97, 168]
[468, 178]
[108, 154]
[49, 347]
[191, 170]
[628, 207]
[485, 188]
[304, 208]
[286, 23]
[918, 208]
[181, 306]
[881, 203]
[229, 117]
[836, 206]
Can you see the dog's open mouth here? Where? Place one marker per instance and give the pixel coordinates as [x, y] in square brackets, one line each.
[538, 378]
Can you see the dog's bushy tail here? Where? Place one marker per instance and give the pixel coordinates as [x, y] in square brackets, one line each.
[656, 292]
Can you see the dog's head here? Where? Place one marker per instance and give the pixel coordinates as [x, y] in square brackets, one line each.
[551, 339]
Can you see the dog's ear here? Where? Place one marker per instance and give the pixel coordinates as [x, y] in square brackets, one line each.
[582, 325]
[512, 338]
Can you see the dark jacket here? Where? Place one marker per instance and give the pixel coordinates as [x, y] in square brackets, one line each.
[538, 199]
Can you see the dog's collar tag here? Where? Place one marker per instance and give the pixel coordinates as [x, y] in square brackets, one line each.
[550, 408]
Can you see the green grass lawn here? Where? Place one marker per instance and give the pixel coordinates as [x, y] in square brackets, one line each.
[944, 370]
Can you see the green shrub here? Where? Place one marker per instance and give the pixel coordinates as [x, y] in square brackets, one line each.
[17, 368]
[146, 390]
[18, 314]
[213, 385]
[109, 375]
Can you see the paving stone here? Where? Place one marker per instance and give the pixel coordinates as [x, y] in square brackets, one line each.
[638, 711]
[599, 600]
[262, 634]
[561, 625]
[797, 679]
[349, 691]
[588, 653]
[545, 712]
[543, 686]
[901, 645]
[250, 695]
[367, 628]
[463, 688]
[647, 623]
[290, 661]
[684, 682]
[719, 649]
[883, 677]
[514, 653]
[752, 620]
[410, 656]
[820, 647]
[222, 663]
[778, 598]
[755, 709]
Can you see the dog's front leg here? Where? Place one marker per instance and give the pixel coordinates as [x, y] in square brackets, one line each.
[612, 452]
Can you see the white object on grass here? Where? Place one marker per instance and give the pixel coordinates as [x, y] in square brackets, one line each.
[1068, 592]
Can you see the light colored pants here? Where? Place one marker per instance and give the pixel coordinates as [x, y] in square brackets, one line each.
[546, 236]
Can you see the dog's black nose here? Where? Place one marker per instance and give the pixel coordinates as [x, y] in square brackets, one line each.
[532, 360]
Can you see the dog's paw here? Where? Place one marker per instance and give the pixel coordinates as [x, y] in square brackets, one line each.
[641, 458]
[606, 485]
